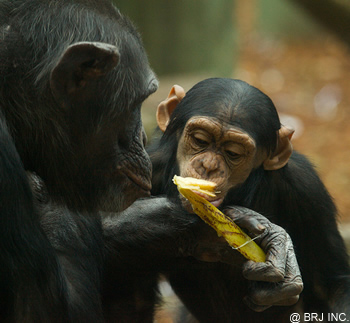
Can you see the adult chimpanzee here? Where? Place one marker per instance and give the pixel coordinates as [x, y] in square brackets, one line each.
[73, 77]
[229, 132]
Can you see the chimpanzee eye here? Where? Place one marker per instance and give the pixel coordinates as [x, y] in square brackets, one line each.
[200, 141]
[232, 155]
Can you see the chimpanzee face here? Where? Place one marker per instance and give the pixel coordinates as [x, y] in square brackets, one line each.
[128, 173]
[100, 90]
[216, 152]
[220, 132]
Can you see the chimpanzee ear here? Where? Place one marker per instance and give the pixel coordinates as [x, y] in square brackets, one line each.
[80, 63]
[283, 151]
[166, 107]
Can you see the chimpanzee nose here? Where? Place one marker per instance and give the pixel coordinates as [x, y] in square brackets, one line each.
[209, 166]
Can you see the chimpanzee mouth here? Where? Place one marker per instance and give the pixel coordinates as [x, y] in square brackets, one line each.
[215, 201]
[141, 181]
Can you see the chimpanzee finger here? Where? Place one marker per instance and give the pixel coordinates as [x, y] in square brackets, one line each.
[288, 302]
[293, 279]
[273, 239]
[255, 307]
[285, 293]
[268, 294]
[267, 272]
[274, 242]
[245, 220]
[260, 308]
[243, 212]
[206, 245]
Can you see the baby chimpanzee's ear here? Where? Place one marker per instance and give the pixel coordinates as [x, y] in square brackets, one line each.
[283, 151]
[166, 107]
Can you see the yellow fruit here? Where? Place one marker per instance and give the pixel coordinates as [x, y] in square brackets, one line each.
[195, 184]
[223, 225]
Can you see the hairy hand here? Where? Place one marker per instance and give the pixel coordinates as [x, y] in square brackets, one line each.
[278, 280]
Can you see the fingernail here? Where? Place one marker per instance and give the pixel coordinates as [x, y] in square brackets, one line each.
[261, 227]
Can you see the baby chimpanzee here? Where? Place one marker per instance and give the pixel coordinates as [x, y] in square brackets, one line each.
[229, 132]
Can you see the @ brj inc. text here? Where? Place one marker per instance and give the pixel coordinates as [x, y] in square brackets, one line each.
[315, 317]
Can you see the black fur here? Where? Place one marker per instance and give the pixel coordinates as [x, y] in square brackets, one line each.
[79, 149]
[293, 197]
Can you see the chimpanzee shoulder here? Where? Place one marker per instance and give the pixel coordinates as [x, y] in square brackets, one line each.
[297, 182]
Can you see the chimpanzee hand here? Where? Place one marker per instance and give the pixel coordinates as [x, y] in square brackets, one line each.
[277, 281]
[158, 229]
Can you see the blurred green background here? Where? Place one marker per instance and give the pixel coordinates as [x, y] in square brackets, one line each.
[187, 36]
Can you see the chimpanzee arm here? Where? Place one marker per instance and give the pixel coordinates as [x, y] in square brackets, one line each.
[309, 213]
[76, 238]
[30, 279]
[153, 231]
[150, 229]
[140, 242]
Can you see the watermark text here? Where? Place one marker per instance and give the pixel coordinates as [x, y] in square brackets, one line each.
[315, 317]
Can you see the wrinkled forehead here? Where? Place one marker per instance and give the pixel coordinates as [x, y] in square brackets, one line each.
[218, 129]
[212, 124]
[132, 81]
[135, 65]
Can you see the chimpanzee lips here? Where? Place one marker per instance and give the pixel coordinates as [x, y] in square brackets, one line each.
[142, 181]
[215, 201]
